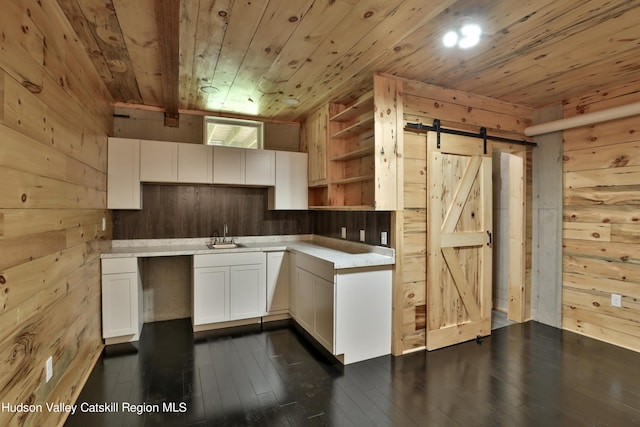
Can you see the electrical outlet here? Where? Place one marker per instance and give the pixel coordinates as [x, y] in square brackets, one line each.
[343, 232]
[49, 368]
[383, 238]
[104, 224]
[362, 235]
[616, 300]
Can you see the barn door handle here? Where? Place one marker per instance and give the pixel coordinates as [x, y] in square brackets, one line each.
[490, 238]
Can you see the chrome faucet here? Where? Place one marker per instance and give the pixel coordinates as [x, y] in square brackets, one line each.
[225, 229]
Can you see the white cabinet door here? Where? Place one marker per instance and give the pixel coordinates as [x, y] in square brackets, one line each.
[120, 305]
[123, 174]
[323, 301]
[260, 167]
[291, 190]
[195, 163]
[228, 165]
[247, 291]
[304, 299]
[293, 280]
[277, 281]
[210, 295]
[158, 161]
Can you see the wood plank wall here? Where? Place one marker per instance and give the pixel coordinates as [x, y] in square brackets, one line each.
[456, 109]
[54, 119]
[601, 228]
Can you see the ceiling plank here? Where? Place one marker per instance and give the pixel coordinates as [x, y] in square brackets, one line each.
[202, 27]
[141, 37]
[168, 18]
[100, 17]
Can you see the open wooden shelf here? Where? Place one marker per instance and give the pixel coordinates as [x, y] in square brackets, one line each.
[362, 104]
[343, 208]
[356, 154]
[355, 129]
[353, 179]
[352, 148]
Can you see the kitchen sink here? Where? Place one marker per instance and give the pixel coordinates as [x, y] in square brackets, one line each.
[224, 245]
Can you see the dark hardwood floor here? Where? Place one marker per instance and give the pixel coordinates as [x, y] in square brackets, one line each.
[523, 375]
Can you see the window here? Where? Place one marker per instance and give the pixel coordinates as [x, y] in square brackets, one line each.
[233, 132]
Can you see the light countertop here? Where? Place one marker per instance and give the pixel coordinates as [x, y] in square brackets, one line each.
[342, 253]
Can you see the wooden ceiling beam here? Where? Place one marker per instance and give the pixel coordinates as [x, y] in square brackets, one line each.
[168, 18]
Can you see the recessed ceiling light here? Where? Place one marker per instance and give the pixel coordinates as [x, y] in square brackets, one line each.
[450, 39]
[468, 36]
[209, 89]
[291, 101]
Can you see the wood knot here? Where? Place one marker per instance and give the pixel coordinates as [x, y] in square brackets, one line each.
[596, 235]
[23, 198]
[293, 19]
[368, 14]
[620, 161]
[596, 304]
[3, 280]
[222, 14]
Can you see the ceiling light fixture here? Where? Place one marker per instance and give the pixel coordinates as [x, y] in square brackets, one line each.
[465, 38]
[209, 89]
[291, 101]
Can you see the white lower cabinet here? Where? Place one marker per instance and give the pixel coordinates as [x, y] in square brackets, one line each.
[323, 322]
[121, 300]
[315, 299]
[228, 286]
[278, 282]
[211, 293]
[330, 307]
[247, 291]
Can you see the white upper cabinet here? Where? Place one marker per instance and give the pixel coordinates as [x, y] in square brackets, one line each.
[260, 167]
[158, 161]
[123, 174]
[291, 190]
[228, 165]
[195, 163]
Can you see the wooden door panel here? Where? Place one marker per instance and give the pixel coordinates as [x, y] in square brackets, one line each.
[458, 251]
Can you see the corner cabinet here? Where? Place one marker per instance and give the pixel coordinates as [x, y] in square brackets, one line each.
[361, 148]
[291, 185]
[228, 286]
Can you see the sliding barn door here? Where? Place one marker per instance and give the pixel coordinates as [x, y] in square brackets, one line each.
[459, 224]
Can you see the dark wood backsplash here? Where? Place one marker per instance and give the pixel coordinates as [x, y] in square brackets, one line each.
[184, 211]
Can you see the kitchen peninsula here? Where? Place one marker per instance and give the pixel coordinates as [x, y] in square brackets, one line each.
[318, 281]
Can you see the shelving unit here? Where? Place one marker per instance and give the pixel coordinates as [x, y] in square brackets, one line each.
[359, 150]
[351, 149]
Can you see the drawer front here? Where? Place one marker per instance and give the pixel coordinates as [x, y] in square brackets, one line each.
[119, 265]
[320, 268]
[227, 259]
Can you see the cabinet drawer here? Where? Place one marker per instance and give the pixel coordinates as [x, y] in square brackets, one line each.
[227, 259]
[320, 268]
[119, 265]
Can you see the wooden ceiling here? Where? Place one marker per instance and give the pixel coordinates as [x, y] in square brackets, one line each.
[159, 53]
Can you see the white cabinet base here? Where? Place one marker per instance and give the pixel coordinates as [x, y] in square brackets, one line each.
[363, 325]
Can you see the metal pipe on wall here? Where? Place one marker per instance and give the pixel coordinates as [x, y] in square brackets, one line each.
[585, 119]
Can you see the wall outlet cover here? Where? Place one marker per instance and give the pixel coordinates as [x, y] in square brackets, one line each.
[343, 232]
[362, 235]
[383, 238]
[616, 300]
[49, 368]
